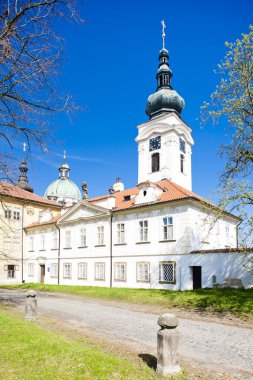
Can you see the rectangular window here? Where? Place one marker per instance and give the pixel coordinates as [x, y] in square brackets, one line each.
[142, 272]
[182, 145]
[82, 271]
[143, 230]
[66, 270]
[168, 228]
[120, 271]
[30, 269]
[11, 271]
[100, 234]
[7, 213]
[53, 270]
[68, 239]
[167, 272]
[31, 243]
[227, 233]
[42, 242]
[121, 233]
[99, 271]
[55, 240]
[16, 215]
[82, 237]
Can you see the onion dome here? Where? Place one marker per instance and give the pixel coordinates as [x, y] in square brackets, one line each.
[63, 190]
[165, 99]
[22, 179]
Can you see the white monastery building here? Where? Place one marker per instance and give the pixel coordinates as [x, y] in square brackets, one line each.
[158, 234]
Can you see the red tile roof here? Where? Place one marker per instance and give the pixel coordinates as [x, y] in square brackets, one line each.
[52, 221]
[171, 192]
[8, 190]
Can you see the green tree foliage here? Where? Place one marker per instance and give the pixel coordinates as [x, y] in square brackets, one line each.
[232, 103]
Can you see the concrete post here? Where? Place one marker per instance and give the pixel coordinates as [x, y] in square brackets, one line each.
[167, 345]
[31, 305]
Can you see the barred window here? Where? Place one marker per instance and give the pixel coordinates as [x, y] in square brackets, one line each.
[168, 228]
[68, 239]
[167, 272]
[67, 270]
[142, 272]
[42, 242]
[100, 235]
[120, 271]
[30, 269]
[99, 271]
[143, 229]
[82, 271]
[53, 270]
[82, 237]
[121, 233]
[55, 240]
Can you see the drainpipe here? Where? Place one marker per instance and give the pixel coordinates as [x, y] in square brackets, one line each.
[59, 250]
[111, 216]
[22, 245]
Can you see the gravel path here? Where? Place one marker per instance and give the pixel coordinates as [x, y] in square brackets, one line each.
[224, 348]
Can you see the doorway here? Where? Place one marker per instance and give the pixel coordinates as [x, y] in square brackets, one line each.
[196, 277]
[42, 273]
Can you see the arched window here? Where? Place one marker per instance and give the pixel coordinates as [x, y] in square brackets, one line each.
[182, 163]
[155, 159]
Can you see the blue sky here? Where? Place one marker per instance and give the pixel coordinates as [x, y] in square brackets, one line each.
[109, 67]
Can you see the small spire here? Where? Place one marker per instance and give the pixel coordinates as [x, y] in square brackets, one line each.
[163, 33]
[24, 147]
[64, 156]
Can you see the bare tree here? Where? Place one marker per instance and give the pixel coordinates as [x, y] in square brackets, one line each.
[30, 56]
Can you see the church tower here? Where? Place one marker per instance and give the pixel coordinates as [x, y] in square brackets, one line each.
[165, 141]
[22, 179]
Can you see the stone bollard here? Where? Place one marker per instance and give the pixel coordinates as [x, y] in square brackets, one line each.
[167, 345]
[31, 305]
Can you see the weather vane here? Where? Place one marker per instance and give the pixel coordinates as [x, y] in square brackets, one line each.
[163, 33]
[24, 147]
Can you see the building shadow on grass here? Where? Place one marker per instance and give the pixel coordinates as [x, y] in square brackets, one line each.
[150, 360]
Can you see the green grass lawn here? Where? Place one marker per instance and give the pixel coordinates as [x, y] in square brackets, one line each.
[226, 300]
[28, 352]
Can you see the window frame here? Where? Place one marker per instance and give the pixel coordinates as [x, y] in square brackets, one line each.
[53, 273]
[102, 265]
[138, 264]
[30, 270]
[143, 231]
[42, 242]
[182, 163]
[118, 278]
[7, 213]
[69, 275]
[162, 280]
[68, 239]
[155, 162]
[85, 276]
[165, 228]
[83, 237]
[101, 235]
[120, 233]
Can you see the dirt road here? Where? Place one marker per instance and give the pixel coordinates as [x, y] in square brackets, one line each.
[224, 348]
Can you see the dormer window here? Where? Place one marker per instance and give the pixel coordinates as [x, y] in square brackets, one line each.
[127, 198]
[144, 193]
[155, 162]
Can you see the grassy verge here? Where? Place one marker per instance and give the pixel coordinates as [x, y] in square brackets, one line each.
[31, 353]
[227, 300]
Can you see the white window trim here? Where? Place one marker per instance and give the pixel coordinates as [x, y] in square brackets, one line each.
[118, 272]
[69, 275]
[54, 273]
[142, 263]
[172, 225]
[121, 233]
[100, 235]
[162, 280]
[83, 237]
[30, 270]
[143, 231]
[85, 271]
[68, 239]
[102, 266]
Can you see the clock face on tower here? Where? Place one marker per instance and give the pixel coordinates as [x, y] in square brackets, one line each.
[155, 143]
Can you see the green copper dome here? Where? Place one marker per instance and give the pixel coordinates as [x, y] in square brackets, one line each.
[165, 99]
[63, 190]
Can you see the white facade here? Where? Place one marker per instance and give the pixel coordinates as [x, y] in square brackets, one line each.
[145, 247]
[174, 143]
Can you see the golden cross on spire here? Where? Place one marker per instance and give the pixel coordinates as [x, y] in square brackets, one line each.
[24, 146]
[163, 33]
